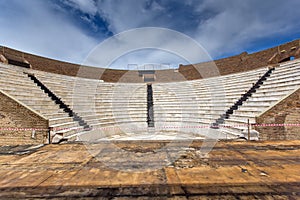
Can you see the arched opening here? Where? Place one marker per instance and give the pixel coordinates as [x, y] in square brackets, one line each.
[287, 59]
[18, 63]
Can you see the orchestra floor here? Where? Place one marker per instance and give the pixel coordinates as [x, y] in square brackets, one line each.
[180, 169]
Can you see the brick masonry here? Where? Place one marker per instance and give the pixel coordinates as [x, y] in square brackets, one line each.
[15, 115]
[287, 111]
[242, 62]
[234, 64]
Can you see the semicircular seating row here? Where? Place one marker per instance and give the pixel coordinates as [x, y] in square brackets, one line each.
[121, 108]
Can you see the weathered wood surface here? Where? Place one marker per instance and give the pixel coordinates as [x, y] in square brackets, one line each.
[152, 170]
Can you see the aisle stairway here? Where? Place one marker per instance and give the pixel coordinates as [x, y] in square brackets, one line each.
[109, 108]
[59, 102]
[17, 84]
[243, 98]
[284, 79]
[190, 105]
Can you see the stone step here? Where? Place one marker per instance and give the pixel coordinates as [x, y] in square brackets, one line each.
[61, 120]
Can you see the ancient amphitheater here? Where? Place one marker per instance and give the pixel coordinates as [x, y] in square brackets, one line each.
[71, 131]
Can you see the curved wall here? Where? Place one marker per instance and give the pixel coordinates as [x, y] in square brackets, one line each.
[234, 64]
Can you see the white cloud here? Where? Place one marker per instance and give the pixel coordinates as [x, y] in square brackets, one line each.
[147, 45]
[36, 28]
[86, 6]
[124, 15]
[222, 27]
[239, 23]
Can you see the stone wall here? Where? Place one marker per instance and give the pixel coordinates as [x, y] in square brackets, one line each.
[15, 115]
[287, 111]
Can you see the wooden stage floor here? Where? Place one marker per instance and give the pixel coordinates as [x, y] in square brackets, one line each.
[152, 170]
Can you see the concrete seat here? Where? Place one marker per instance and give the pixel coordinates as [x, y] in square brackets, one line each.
[288, 67]
[257, 104]
[65, 125]
[240, 120]
[283, 80]
[58, 115]
[245, 115]
[232, 132]
[69, 132]
[251, 109]
[117, 122]
[266, 98]
[61, 120]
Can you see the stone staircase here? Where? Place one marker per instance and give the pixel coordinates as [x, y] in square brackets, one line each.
[60, 103]
[284, 79]
[243, 98]
[150, 115]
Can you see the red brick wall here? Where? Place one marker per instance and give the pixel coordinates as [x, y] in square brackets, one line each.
[15, 115]
[234, 64]
[246, 62]
[286, 111]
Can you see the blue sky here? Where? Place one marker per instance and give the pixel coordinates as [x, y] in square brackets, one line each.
[70, 29]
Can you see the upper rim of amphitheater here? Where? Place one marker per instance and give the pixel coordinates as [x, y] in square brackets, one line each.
[229, 65]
